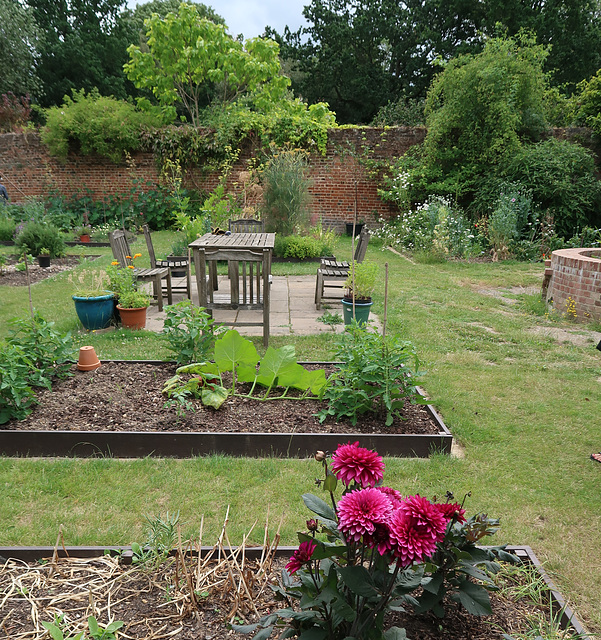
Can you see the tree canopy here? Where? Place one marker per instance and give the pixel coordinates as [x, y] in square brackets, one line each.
[19, 35]
[194, 61]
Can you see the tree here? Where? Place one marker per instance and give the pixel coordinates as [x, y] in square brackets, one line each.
[18, 49]
[479, 111]
[84, 46]
[194, 60]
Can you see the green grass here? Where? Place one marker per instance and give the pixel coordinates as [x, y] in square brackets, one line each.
[523, 406]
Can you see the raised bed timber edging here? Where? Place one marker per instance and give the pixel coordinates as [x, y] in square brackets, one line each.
[568, 619]
[179, 444]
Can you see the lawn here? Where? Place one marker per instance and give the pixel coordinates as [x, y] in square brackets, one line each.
[521, 393]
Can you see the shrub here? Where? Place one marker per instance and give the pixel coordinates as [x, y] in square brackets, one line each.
[561, 176]
[509, 218]
[98, 124]
[14, 111]
[36, 236]
[407, 112]
[286, 192]
[7, 229]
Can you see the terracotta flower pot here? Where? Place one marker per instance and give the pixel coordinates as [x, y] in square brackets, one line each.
[88, 360]
[84, 237]
[132, 318]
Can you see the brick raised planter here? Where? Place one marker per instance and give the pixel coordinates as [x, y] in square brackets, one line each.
[576, 274]
[568, 619]
[139, 444]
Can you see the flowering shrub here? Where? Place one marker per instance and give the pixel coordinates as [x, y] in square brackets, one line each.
[375, 550]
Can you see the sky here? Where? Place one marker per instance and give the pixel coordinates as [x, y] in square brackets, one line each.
[250, 17]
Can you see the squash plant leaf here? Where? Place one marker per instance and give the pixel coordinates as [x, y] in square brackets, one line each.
[213, 396]
[274, 363]
[233, 351]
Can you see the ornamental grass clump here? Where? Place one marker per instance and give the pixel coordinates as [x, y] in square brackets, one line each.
[374, 551]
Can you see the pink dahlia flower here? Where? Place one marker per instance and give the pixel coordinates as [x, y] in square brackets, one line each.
[360, 511]
[352, 463]
[301, 556]
[452, 510]
[395, 496]
[415, 528]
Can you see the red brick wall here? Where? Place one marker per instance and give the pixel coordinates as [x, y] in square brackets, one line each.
[576, 275]
[26, 169]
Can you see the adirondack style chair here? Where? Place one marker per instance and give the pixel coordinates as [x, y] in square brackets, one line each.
[246, 225]
[173, 264]
[120, 249]
[333, 273]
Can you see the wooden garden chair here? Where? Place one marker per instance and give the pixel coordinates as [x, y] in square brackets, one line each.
[120, 249]
[173, 264]
[246, 225]
[333, 273]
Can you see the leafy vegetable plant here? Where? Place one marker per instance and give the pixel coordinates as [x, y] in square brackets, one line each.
[238, 355]
[375, 375]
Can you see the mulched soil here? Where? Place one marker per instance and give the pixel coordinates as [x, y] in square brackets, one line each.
[127, 396]
[10, 276]
[193, 600]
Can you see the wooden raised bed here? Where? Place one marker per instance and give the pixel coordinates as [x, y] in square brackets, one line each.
[180, 444]
[568, 619]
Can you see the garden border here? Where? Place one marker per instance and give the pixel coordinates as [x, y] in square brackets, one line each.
[524, 553]
[179, 444]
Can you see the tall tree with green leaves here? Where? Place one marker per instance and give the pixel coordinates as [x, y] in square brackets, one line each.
[19, 35]
[83, 46]
[194, 61]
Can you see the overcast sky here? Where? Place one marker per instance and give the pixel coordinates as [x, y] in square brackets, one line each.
[250, 17]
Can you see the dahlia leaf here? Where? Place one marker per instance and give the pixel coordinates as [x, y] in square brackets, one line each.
[395, 633]
[474, 598]
[358, 579]
[318, 506]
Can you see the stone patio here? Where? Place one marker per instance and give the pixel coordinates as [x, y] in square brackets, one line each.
[293, 309]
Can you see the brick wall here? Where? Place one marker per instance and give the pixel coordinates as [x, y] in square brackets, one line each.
[576, 275]
[26, 169]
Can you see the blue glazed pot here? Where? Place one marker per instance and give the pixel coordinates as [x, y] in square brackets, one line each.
[94, 313]
[361, 311]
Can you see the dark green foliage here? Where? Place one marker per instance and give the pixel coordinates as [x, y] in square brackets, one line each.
[7, 228]
[587, 107]
[36, 236]
[375, 375]
[94, 124]
[83, 46]
[33, 354]
[301, 247]
[14, 112]
[561, 177]
[404, 112]
[190, 332]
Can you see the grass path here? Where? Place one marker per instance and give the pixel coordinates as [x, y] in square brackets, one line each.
[524, 406]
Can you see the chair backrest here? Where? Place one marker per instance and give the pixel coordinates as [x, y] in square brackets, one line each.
[153, 260]
[361, 249]
[119, 247]
[246, 225]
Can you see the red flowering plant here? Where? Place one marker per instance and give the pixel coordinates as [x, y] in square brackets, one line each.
[375, 550]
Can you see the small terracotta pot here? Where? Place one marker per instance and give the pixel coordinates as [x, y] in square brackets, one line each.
[84, 237]
[88, 360]
[132, 318]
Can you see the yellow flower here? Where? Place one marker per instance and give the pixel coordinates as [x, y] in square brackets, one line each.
[128, 257]
[137, 255]
[114, 263]
[130, 266]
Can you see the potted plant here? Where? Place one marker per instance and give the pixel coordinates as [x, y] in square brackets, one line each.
[360, 285]
[132, 309]
[44, 258]
[83, 232]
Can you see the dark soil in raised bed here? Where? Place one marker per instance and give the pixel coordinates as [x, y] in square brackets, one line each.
[128, 397]
[9, 276]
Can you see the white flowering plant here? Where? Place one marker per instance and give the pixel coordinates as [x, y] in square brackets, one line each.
[374, 550]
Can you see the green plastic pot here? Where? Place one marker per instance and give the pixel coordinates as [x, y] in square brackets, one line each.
[361, 311]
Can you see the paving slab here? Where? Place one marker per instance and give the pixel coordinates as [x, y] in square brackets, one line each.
[293, 309]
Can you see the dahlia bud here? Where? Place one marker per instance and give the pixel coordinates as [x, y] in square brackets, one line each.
[312, 524]
[320, 456]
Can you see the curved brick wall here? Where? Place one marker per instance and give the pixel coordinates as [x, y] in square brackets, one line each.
[576, 274]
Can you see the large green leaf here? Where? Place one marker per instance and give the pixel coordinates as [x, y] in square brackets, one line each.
[275, 362]
[474, 598]
[395, 633]
[318, 506]
[358, 580]
[294, 375]
[314, 633]
[233, 351]
[213, 396]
